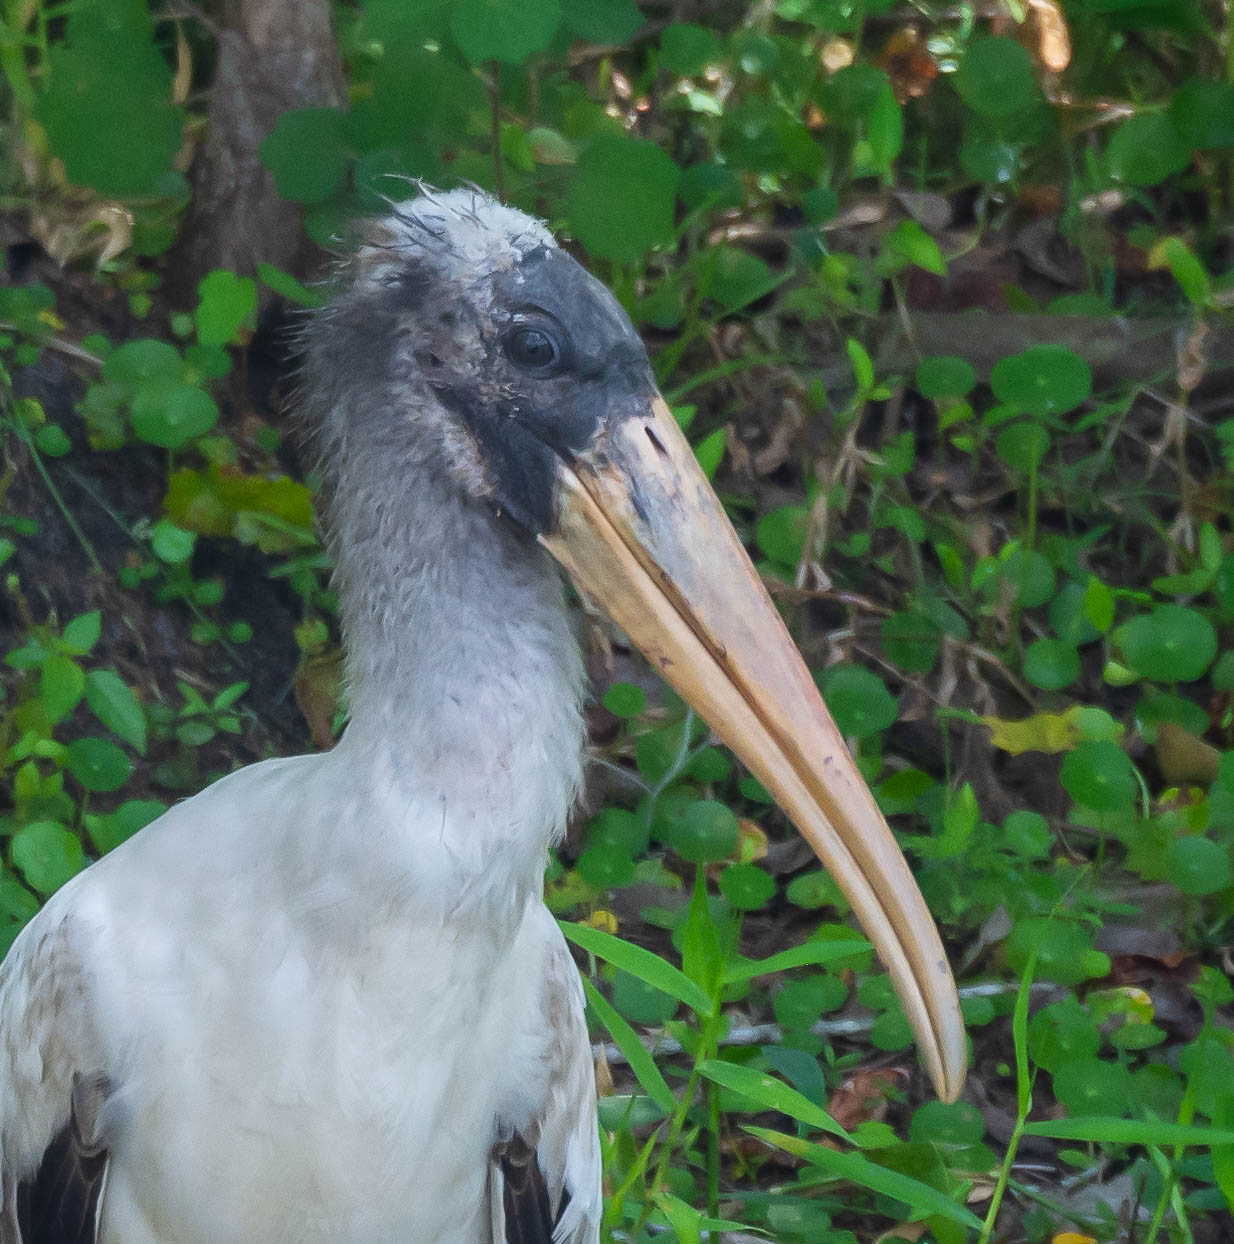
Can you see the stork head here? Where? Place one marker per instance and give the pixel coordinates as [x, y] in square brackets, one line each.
[524, 381]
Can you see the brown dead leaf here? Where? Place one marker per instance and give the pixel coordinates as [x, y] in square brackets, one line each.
[1193, 357]
[1051, 36]
[317, 687]
[910, 1231]
[863, 1096]
[1183, 758]
[908, 63]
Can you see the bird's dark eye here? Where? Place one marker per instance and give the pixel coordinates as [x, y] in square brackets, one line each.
[532, 349]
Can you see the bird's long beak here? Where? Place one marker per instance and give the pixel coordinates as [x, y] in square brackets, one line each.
[641, 533]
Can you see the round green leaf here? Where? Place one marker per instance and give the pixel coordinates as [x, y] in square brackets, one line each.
[621, 828]
[98, 764]
[52, 440]
[1051, 664]
[1146, 149]
[747, 887]
[947, 1123]
[799, 1004]
[639, 1002]
[622, 197]
[306, 153]
[1022, 444]
[912, 641]
[687, 49]
[1198, 865]
[1061, 946]
[1028, 834]
[705, 831]
[1099, 775]
[606, 866]
[1091, 1086]
[624, 699]
[781, 534]
[1203, 111]
[1042, 380]
[995, 78]
[47, 854]
[145, 359]
[1061, 1033]
[859, 700]
[170, 543]
[945, 375]
[1172, 644]
[109, 831]
[711, 184]
[171, 414]
[504, 30]
[602, 21]
[1029, 576]
[1070, 612]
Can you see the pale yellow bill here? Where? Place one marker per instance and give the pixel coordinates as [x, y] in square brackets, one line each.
[641, 533]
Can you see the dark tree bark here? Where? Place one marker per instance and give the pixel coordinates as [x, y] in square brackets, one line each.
[274, 55]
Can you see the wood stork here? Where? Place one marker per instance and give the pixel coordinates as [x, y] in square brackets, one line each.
[323, 1000]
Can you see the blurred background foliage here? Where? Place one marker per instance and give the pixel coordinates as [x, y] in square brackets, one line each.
[941, 294]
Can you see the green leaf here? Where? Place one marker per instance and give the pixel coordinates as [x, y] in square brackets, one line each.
[913, 243]
[287, 286]
[107, 106]
[147, 358]
[61, 686]
[768, 1093]
[172, 414]
[747, 887]
[947, 1123]
[113, 702]
[1042, 380]
[859, 700]
[781, 534]
[606, 866]
[1082, 1084]
[47, 854]
[82, 633]
[640, 963]
[1172, 644]
[504, 30]
[687, 49]
[1198, 865]
[912, 641]
[945, 376]
[622, 198]
[306, 151]
[1203, 112]
[98, 764]
[1022, 445]
[52, 440]
[108, 831]
[1099, 775]
[710, 451]
[705, 831]
[809, 954]
[1060, 947]
[1146, 149]
[995, 78]
[624, 699]
[857, 1169]
[172, 544]
[626, 1039]
[1051, 664]
[1110, 1130]
[227, 303]
[735, 278]
[602, 21]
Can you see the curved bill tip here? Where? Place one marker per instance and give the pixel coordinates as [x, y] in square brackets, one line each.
[640, 531]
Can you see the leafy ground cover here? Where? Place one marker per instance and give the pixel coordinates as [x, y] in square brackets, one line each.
[942, 299]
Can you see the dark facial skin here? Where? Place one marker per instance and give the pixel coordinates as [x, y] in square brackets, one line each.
[558, 362]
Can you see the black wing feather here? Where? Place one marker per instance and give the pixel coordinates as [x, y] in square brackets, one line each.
[58, 1204]
[528, 1209]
